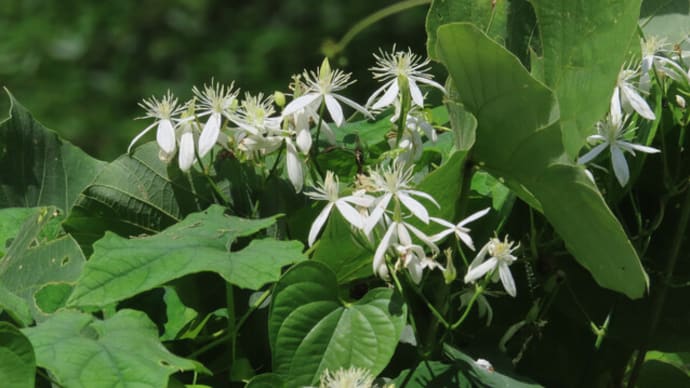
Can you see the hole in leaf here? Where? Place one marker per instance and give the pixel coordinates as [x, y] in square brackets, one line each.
[64, 261]
[164, 363]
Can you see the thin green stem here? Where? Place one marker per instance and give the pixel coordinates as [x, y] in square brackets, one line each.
[232, 323]
[332, 50]
[315, 145]
[660, 297]
[431, 307]
[479, 288]
[402, 120]
[275, 164]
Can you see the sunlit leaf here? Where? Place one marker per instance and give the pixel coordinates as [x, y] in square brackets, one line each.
[120, 268]
[123, 350]
[39, 168]
[518, 138]
[312, 329]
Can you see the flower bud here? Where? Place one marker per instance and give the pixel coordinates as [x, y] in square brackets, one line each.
[279, 98]
[680, 101]
[449, 273]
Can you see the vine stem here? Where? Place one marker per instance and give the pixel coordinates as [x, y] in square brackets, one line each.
[658, 303]
[370, 20]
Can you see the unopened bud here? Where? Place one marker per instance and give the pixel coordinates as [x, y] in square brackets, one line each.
[449, 273]
[279, 98]
[680, 101]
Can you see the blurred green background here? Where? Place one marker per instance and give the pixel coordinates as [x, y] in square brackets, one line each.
[82, 66]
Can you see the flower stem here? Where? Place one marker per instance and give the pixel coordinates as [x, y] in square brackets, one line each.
[315, 145]
[477, 291]
[660, 297]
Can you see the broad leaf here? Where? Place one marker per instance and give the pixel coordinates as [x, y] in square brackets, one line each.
[136, 194]
[518, 138]
[34, 261]
[662, 18]
[342, 252]
[11, 220]
[123, 350]
[179, 315]
[17, 360]
[120, 268]
[584, 45]
[479, 12]
[39, 168]
[312, 329]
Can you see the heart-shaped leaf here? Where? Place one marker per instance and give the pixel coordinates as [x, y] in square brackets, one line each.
[312, 329]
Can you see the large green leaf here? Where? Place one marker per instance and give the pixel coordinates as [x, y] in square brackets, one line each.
[121, 267]
[481, 13]
[38, 168]
[136, 194]
[17, 360]
[584, 45]
[121, 351]
[518, 138]
[311, 329]
[36, 263]
[11, 220]
[342, 252]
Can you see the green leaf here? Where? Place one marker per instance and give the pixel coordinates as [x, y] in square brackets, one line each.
[34, 261]
[662, 18]
[11, 220]
[341, 252]
[123, 350]
[179, 315]
[17, 360]
[39, 168]
[137, 194]
[481, 376]
[656, 373]
[479, 12]
[584, 45]
[311, 329]
[266, 380]
[120, 268]
[433, 374]
[518, 139]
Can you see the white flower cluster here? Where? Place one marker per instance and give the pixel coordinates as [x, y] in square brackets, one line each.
[254, 130]
[615, 131]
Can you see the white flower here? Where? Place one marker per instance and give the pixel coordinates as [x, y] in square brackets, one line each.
[400, 69]
[413, 257]
[347, 378]
[613, 134]
[500, 257]
[330, 191]
[625, 96]
[459, 229]
[186, 154]
[294, 165]
[652, 47]
[164, 112]
[216, 101]
[398, 234]
[321, 89]
[394, 182]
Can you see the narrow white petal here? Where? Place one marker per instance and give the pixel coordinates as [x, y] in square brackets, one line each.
[474, 216]
[376, 214]
[318, 223]
[165, 136]
[464, 237]
[593, 153]
[359, 200]
[416, 94]
[420, 235]
[414, 206]
[641, 148]
[638, 103]
[294, 166]
[507, 279]
[620, 166]
[139, 136]
[403, 235]
[616, 111]
[334, 109]
[209, 135]
[376, 93]
[303, 140]
[351, 214]
[431, 83]
[480, 270]
[185, 158]
[416, 270]
[389, 97]
[441, 235]
[424, 195]
[383, 246]
[354, 105]
[443, 222]
[299, 103]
